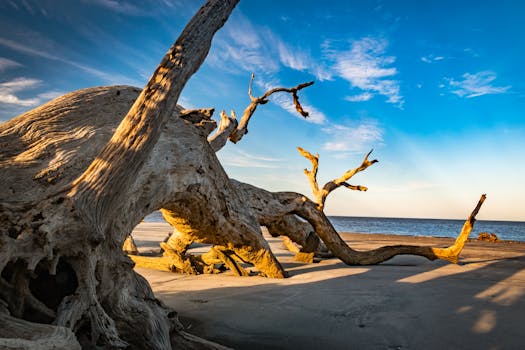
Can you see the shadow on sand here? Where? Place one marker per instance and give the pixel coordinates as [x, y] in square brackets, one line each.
[407, 303]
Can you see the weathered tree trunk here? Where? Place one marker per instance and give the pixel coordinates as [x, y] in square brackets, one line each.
[174, 250]
[60, 240]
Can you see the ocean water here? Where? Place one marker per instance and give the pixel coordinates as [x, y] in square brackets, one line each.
[507, 230]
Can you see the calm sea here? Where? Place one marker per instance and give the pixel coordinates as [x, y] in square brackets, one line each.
[508, 230]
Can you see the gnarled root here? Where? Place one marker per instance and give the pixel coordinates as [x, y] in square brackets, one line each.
[17, 333]
[299, 238]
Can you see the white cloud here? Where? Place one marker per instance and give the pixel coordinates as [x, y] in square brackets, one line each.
[365, 96]
[8, 64]
[367, 68]
[354, 138]
[432, 58]
[292, 58]
[298, 59]
[242, 159]
[9, 89]
[477, 84]
[240, 48]
[243, 47]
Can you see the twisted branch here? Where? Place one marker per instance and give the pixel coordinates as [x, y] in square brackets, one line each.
[236, 134]
[321, 194]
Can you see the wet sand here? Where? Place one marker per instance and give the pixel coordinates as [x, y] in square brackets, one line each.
[405, 303]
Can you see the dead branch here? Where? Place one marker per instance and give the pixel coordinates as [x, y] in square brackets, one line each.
[321, 194]
[242, 128]
[227, 125]
[309, 211]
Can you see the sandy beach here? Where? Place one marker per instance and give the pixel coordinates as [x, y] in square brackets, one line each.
[405, 303]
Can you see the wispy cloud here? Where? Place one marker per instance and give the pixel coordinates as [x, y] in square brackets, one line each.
[478, 84]
[9, 89]
[365, 96]
[123, 7]
[30, 50]
[9, 93]
[471, 52]
[354, 138]
[314, 115]
[300, 60]
[258, 49]
[148, 8]
[244, 48]
[240, 48]
[6, 64]
[432, 58]
[239, 158]
[367, 67]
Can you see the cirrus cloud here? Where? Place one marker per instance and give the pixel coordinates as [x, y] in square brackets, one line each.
[477, 84]
[353, 138]
[367, 67]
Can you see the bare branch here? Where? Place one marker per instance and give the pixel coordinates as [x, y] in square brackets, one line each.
[320, 195]
[452, 252]
[311, 174]
[226, 126]
[242, 128]
[355, 187]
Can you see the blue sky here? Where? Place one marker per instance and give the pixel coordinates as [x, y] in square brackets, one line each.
[437, 88]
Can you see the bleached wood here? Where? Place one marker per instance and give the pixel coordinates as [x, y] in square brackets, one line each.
[232, 129]
[78, 173]
[72, 188]
[320, 195]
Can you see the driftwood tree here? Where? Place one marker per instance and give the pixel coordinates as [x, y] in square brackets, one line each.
[320, 194]
[80, 172]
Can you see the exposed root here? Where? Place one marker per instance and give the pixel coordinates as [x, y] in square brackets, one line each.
[16, 333]
[228, 257]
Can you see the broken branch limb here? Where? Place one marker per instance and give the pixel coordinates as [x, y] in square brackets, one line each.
[321, 194]
[227, 125]
[242, 128]
[452, 253]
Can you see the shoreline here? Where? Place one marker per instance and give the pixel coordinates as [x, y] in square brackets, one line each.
[407, 302]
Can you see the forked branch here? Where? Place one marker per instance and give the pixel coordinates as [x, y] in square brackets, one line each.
[242, 128]
[321, 194]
